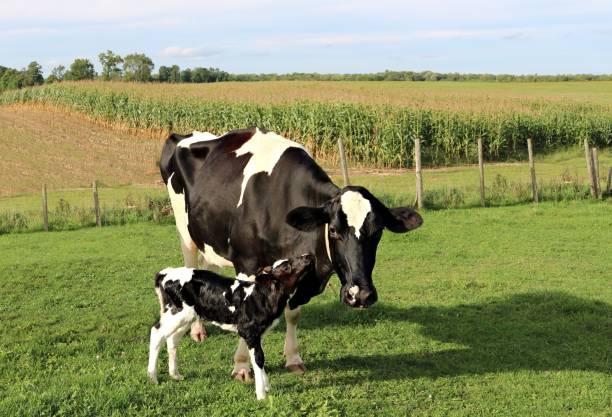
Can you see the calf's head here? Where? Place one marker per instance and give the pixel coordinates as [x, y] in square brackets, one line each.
[354, 221]
[288, 272]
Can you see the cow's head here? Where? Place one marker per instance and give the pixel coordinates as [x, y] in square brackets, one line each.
[354, 221]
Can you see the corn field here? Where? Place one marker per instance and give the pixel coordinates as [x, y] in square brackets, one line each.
[377, 135]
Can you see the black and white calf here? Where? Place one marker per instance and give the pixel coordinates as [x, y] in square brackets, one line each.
[248, 308]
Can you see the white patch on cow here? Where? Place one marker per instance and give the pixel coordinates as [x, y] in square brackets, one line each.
[277, 263]
[225, 326]
[223, 294]
[235, 285]
[182, 275]
[248, 291]
[213, 258]
[244, 277]
[265, 149]
[196, 137]
[356, 208]
[180, 213]
[353, 291]
[231, 309]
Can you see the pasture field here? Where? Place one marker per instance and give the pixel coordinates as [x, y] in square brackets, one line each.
[498, 311]
[377, 122]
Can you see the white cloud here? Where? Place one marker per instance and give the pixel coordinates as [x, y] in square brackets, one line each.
[181, 52]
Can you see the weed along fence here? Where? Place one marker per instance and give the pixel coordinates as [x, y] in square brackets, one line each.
[479, 185]
[573, 189]
[95, 206]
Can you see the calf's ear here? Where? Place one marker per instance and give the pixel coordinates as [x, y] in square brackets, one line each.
[307, 218]
[402, 219]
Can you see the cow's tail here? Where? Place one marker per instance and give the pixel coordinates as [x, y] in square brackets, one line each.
[166, 162]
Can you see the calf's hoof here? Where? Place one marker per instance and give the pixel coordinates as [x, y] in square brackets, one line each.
[243, 375]
[152, 377]
[296, 368]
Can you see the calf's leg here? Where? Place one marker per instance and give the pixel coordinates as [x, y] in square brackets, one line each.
[172, 344]
[262, 384]
[168, 325]
[292, 353]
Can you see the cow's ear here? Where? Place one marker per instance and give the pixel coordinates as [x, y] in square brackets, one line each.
[402, 219]
[307, 218]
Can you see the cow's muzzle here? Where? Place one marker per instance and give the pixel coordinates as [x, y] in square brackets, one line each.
[354, 296]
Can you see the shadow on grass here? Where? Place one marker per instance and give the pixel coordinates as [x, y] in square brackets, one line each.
[532, 331]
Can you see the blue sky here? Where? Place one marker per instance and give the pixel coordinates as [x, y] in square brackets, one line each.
[539, 36]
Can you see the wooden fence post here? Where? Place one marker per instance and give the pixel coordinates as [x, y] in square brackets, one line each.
[534, 183]
[343, 164]
[45, 208]
[96, 203]
[587, 152]
[609, 181]
[596, 171]
[481, 169]
[417, 171]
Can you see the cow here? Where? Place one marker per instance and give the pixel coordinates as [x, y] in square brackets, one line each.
[249, 197]
[247, 308]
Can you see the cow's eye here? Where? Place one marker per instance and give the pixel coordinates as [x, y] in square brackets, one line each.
[287, 268]
[333, 233]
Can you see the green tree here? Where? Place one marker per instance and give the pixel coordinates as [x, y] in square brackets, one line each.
[10, 78]
[59, 72]
[163, 74]
[80, 69]
[186, 75]
[137, 67]
[32, 75]
[110, 65]
[175, 74]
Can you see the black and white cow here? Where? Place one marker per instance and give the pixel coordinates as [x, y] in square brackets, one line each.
[247, 308]
[249, 197]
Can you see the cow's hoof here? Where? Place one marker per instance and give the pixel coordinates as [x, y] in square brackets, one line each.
[152, 377]
[296, 368]
[243, 375]
[177, 377]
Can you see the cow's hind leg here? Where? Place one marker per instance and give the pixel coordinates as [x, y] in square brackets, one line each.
[292, 353]
[190, 256]
[242, 370]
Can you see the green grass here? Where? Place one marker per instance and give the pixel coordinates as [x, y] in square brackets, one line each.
[498, 311]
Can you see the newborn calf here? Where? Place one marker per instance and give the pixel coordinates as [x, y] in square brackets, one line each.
[245, 307]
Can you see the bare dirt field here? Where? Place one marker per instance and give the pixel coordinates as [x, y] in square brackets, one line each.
[45, 146]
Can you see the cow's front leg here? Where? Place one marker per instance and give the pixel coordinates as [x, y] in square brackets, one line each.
[292, 353]
[242, 370]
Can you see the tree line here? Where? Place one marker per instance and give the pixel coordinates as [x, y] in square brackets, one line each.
[139, 67]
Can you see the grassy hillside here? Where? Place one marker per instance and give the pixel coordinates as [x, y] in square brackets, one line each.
[377, 132]
[482, 312]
